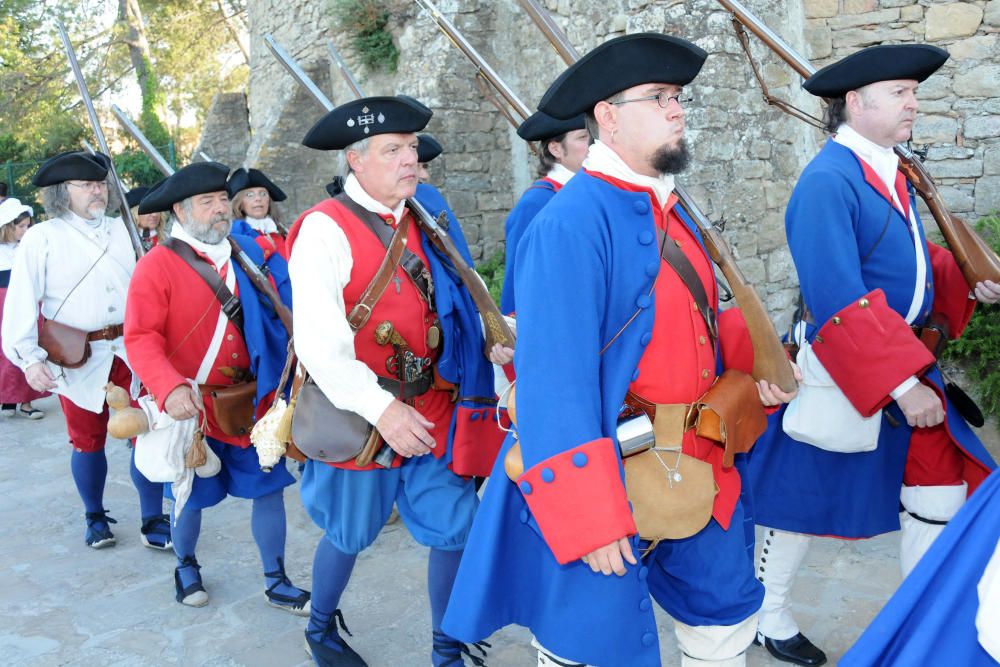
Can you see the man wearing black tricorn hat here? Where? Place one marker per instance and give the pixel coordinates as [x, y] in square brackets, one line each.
[75, 268]
[196, 328]
[876, 293]
[618, 320]
[384, 358]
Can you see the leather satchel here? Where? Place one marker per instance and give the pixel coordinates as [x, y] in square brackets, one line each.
[672, 494]
[324, 432]
[66, 346]
[232, 407]
[730, 413]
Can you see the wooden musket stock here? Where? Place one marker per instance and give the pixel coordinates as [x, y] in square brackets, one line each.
[975, 258]
[769, 359]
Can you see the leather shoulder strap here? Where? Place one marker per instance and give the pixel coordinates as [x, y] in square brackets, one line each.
[678, 261]
[230, 304]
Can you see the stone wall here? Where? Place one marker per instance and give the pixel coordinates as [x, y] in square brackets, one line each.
[747, 155]
[227, 130]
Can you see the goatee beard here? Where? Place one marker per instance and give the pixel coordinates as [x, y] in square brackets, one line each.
[671, 160]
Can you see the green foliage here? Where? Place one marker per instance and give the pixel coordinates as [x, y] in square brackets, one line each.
[492, 271]
[135, 168]
[365, 21]
[978, 350]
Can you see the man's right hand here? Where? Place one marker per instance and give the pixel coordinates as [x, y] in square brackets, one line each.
[405, 430]
[921, 407]
[182, 403]
[40, 377]
[608, 558]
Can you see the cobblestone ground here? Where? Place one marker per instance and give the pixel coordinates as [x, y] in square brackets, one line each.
[64, 604]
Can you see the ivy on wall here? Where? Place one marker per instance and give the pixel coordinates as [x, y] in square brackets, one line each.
[365, 21]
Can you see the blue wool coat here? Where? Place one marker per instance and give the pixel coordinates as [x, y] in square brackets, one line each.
[584, 267]
[836, 217]
[527, 207]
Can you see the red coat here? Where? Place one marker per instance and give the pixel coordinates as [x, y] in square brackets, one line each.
[170, 317]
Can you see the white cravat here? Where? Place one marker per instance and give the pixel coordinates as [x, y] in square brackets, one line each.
[602, 159]
[217, 253]
[262, 225]
[559, 174]
[358, 194]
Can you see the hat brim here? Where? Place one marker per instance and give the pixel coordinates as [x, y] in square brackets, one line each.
[891, 62]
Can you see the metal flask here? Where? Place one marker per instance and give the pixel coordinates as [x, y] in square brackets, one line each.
[635, 434]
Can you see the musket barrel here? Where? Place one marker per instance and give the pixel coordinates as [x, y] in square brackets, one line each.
[769, 37]
[470, 52]
[345, 72]
[557, 38]
[144, 143]
[297, 73]
[81, 83]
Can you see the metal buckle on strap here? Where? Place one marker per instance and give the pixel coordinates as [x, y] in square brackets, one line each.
[231, 307]
[364, 319]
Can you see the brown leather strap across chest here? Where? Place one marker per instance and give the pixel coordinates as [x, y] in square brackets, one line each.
[672, 254]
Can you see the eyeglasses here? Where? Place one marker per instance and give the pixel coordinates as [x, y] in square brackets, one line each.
[662, 98]
[251, 194]
[89, 185]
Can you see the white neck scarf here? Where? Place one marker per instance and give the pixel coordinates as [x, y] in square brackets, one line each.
[262, 225]
[217, 253]
[883, 160]
[559, 174]
[601, 158]
[354, 190]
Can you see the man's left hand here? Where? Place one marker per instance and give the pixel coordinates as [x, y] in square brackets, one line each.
[771, 394]
[987, 292]
[500, 355]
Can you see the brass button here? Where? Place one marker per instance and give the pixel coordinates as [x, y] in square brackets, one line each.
[235, 355]
[928, 284]
[705, 373]
[420, 403]
[863, 303]
[819, 339]
[836, 320]
[229, 337]
[677, 243]
[702, 340]
[694, 306]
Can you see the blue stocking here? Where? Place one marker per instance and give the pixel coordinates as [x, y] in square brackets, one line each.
[267, 523]
[442, 566]
[184, 533]
[150, 493]
[331, 572]
[90, 469]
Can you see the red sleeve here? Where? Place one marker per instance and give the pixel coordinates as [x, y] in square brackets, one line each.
[869, 350]
[734, 339]
[145, 327]
[578, 499]
[951, 292]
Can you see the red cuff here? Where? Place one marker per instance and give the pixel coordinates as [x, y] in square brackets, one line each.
[869, 350]
[578, 499]
[951, 292]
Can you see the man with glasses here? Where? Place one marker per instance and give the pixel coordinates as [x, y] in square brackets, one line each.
[77, 267]
[617, 308]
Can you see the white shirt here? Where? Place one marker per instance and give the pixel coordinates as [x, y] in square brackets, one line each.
[885, 162]
[320, 269]
[559, 174]
[7, 252]
[262, 225]
[51, 259]
[602, 159]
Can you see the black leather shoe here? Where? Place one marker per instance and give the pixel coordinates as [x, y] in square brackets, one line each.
[797, 650]
[327, 656]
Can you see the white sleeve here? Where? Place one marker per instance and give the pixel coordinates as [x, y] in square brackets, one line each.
[320, 268]
[905, 386]
[19, 327]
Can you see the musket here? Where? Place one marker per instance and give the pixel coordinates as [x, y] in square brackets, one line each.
[975, 258]
[254, 272]
[770, 362]
[126, 213]
[495, 329]
[345, 72]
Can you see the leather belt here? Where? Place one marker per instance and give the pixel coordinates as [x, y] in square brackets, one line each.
[933, 336]
[110, 332]
[674, 417]
[407, 390]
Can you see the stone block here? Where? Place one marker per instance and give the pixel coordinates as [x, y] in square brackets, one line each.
[991, 160]
[987, 195]
[959, 198]
[911, 13]
[619, 22]
[982, 127]
[957, 19]
[992, 14]
[868, 18]
[973, 48]
[950, 153]
[970, 168]
[754, 269]
[819, 42]
[936, 106]
[859, 6]
[934, 88]
[819, 9]
[935, 130]
[852, 38]
[979, 81]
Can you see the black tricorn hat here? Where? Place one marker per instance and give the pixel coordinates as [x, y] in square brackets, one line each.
[541, 127]
[366, 117]
[876, 63]
[194, 179]
[253, 178]
[72, 166]
[135, 195]
[618, 64]
[428, 148]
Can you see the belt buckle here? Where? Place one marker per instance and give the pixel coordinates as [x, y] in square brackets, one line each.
[105, 332]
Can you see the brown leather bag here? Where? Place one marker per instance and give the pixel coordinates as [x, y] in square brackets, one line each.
[232, 407]
[730, 413]
[66, 346]
[672, 494]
